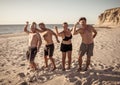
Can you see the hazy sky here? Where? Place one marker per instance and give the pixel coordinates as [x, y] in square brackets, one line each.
[52, 11]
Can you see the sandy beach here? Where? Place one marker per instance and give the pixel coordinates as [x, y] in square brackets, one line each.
[104, 68]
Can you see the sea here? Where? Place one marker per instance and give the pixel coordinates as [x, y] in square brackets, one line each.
[9, 29]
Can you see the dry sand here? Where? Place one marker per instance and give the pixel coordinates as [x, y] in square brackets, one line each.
[104, 68]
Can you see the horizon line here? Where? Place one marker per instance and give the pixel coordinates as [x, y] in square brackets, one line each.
[30, 24]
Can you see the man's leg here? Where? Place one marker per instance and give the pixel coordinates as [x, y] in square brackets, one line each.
[32, 59]
[63, 60]
[46, 61]
[27, 55]
[88, 62]
[33, 65]
[53, 63]
[82, 51]
[89, 54]
[45, 56]
[80, 62]
[50, 53]
[69, 59]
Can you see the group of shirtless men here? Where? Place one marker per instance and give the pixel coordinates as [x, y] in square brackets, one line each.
[87, 33]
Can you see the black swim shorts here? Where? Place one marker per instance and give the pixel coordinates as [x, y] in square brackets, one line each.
[66, 47]
[48, 50]
[31, 53]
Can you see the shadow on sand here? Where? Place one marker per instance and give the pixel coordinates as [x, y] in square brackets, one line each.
[92, 76]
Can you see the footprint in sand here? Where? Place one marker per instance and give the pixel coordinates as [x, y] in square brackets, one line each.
[102, 46]
[21, 75]
[1, 80]
[109, 69]
[2, 70]
[43, 79]
[23, 83]
[93, 65]
[7, 72]
[23, 58]
[78, 82]
[117, 66]
[2, 65]
[32, 79]
[13, 63]
[102, 66]
[72, 79]
[98, 64]
[22, 64]
[40, 79]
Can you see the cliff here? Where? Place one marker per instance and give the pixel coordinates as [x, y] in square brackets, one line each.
[110, 17]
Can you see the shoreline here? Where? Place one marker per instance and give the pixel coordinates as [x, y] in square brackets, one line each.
[96, 27]
[12, 35]
[5, 29]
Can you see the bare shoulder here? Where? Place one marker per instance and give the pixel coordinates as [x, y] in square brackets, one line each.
[37, 34]
[49, 30]
[90, 27]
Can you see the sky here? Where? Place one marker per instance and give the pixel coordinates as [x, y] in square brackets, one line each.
[53, 11]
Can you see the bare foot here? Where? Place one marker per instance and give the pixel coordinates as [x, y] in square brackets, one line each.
[68, 68]
[85, 69]
[44, 67]
[53, 69]
[79, 69]
[63, 69]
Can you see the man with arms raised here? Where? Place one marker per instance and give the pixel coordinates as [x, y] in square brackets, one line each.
[49, 45]
[34, 44]
[88, 34]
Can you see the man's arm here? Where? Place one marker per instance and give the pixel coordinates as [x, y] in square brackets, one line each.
[95, 32]
[75, 32]
[39, 42]
[25, 28]
[55, 36]
[38, 30]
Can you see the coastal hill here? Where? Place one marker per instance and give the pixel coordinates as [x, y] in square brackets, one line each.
[110, 17]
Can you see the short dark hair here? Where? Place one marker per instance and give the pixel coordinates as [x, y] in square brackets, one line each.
[41, 23]
[65, 23]
[82, 18]
[34, 23]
